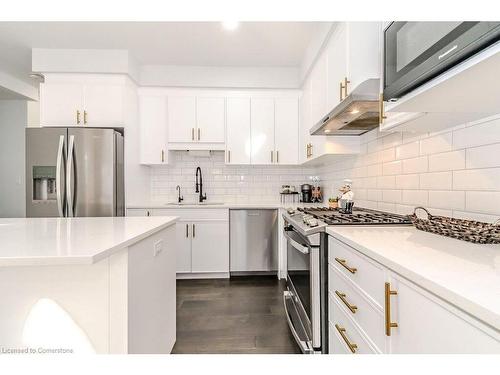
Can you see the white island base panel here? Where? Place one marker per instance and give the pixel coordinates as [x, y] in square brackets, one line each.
[124, 303]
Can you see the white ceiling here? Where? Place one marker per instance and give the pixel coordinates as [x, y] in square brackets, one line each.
[256, 44]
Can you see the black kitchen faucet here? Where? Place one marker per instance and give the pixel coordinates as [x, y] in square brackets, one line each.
[199, 186]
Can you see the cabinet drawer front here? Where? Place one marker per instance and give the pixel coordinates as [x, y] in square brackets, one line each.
[366, 315]
[194, 213]
[336, 345]
[364, 273]
[351, 334]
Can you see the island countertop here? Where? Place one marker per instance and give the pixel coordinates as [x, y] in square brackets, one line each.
[62, 241]
[465, 274]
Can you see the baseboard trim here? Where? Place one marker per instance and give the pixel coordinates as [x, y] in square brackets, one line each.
[203, 275]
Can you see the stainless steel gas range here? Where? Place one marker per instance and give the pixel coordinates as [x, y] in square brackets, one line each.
[306, 297]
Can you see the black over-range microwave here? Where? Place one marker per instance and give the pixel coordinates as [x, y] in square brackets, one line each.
[415, 52]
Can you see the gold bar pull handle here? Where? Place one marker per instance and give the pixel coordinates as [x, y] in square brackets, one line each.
[162, 156]
[346, 81]
[199, 133]
[381, 114]
[388, 323]
[342, 332]
[192, 134]
[194, 231]
[343, 263]
[272, 159]
[78, 117]
[229, 156]
[85, 117]
[187, 230]
[277, 156]
[342, 297]
[340, 91]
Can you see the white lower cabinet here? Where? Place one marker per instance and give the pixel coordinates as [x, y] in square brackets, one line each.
[375, 310]
[202, 240]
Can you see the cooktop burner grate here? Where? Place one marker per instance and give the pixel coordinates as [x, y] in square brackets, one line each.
[333, 216]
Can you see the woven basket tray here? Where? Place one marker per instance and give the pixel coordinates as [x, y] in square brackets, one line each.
[465, 230]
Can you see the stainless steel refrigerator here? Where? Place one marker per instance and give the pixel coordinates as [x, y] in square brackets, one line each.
[72, 172]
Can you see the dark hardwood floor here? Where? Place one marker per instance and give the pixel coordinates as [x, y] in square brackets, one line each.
[238, 315]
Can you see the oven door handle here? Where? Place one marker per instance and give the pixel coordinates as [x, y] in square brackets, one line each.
[304, 345]
[297, 246]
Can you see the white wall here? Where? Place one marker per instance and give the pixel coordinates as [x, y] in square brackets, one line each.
[13, 119]
[455, 172]
[223, 183]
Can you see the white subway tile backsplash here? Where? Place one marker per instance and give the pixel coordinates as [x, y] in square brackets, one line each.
[416, 197]
[392, 196]
[386, 155]
[415, 165]
[477, 179]
[447, 161]
[386, 182]
[483, 202]
[408, 181]
[438, 143]
[454, 200]
[436, 181]
[408, 150]
[485, 218]
[391, 168]
[483, 156]
[477, 135]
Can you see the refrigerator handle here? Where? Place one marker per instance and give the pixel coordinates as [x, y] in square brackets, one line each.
[69, 171]
[59, 187]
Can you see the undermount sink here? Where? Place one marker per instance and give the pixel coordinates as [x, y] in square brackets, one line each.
[195, 204]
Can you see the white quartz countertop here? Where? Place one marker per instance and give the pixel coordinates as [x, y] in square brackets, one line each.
[83, 240]
[250, 205]
[462, 273]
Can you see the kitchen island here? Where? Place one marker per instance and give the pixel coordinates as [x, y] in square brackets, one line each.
[103, 285]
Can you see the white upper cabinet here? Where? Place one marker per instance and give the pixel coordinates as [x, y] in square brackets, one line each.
[182, 118]
[262, 130]
[319, 89]
[103, 105]
[210, 119]
[337, 66]
[61, 104]
[238, 142]
[79, 102]
[286, 130]
[153, 129]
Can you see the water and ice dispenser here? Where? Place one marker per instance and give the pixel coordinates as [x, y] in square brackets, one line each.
[44, 183]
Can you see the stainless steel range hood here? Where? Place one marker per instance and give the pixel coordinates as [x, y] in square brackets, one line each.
[357, 114]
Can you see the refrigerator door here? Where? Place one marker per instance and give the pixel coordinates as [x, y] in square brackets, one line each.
[45, 172]
[91, 172]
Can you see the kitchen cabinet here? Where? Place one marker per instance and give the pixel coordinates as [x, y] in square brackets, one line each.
[202, 241]
[383, 312]
[435, 327]
[238, 141]
[210, 119]
[318, 83]
[182, 118]
[139, 212]
[286, 130]
[153, 129]
[208, 253]
[262, 130]
[337, 66]
[81, 103]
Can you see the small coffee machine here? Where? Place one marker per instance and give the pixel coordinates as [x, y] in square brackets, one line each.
[306, 193]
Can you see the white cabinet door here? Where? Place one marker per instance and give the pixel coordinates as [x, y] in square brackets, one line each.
[238, 143]
[337, 65]
[363, 61]
[262, 130]
[429, 325]
[103, 105]
[210, 120]
[305, 121]
[153, 129]
[183, 246]
[61, 104]
[286, 130]
[210, 246]
[318, 89]
[181, 118]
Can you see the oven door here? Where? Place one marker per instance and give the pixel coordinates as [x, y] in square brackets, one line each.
[415, 52]
[302, 297]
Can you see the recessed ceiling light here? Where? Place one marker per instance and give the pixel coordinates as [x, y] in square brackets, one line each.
[354, 111]
[327, 130]
[230, 25]
[37, 76]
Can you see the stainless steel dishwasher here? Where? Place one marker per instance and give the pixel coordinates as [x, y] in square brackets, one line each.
[253, 241]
